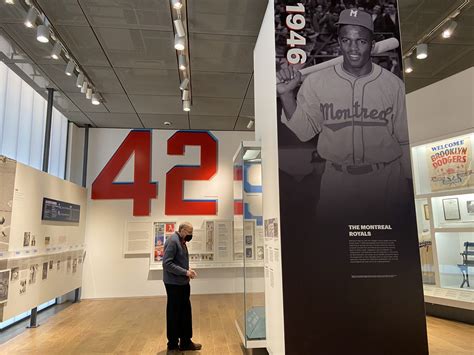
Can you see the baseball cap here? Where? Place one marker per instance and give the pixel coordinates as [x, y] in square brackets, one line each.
[356, 17]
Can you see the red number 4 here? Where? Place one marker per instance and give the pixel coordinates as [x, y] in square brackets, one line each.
[141, 190]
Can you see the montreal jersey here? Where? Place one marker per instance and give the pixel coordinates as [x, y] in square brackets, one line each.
[360, 120]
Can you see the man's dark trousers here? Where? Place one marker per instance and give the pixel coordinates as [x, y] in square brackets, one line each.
[179, 324]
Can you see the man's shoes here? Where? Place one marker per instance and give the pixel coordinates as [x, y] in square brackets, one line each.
[172, 348]
[190, 346]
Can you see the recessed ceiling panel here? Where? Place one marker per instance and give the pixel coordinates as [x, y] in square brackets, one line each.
[222, 53]
[149, 81]
[144, 14]
[104, 80]
[11, 13]
[218, 123]
[84, 45]
[64, 12]
[117, 103]
[138, 48]
[158, 121]
[232, 85]
[248, 108]
[250, 91]
[115, 120]
[243, 17]
[168, 105]
[211, 106]
[85, 105]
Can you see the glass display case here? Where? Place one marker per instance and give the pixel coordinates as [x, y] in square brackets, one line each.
[248, 245]
[444, 195]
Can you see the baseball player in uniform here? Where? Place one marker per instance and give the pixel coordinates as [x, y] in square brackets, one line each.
[358, 110]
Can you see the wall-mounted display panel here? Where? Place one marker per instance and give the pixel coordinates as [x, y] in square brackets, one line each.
[43, 256]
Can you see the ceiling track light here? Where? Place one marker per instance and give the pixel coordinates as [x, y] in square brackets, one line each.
[448, 32]
[89, 94]
[179, 42]
[422, 51]
[56, 52]
[30, 20]
[10, 2]
[179, 27]
[187, 105]
[182, 62]
[250, 124]
[176, 4]
[42, 34]
[70, 68]
[186, 95]
[95, 99]
[84, 87]
[184, 84]
[80, 80]
[408, 65]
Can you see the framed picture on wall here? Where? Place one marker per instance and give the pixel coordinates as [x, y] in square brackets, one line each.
[451, 209]
[470, 207]
[426, 212]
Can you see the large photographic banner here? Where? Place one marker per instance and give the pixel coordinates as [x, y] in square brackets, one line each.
[350, 262]
[450, 164]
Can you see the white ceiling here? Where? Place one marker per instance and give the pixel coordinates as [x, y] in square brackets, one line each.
[125, 47]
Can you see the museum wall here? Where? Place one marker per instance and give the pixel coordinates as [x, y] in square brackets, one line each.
[110, 273]
[266, 132]
[442, 109]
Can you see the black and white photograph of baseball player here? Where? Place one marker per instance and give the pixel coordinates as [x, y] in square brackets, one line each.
[349, 109]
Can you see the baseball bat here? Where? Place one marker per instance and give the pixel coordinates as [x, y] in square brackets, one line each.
[380, 47]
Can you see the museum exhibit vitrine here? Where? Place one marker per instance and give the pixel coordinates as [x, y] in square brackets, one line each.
[444, 193]
[248, 244]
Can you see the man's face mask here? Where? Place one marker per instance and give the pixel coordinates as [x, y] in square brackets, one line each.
[188, 237]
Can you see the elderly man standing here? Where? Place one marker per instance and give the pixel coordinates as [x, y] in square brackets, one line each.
[176, 276]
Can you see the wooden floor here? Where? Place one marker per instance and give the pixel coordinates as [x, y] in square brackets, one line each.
[137, 326]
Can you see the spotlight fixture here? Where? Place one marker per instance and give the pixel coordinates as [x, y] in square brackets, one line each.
[178, 42]
[187, 105]
[89, 94]
[10, 2]
[408, 65]
[186, 95]
[176, 4]
[178, 26]
[42, 34]
[84, 87]
[184, 84]
[80, 80]
[182, 62]
[56, 52]
[70, 68]
[422, 51]
[95, 99]
[167, 123]
[250, 124]
[450, 29]
[30, 19]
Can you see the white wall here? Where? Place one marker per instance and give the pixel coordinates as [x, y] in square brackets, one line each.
[442, 109]
[107, 273]
[266, 132]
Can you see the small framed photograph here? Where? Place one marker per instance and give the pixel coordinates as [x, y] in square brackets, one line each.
[426, 212]
[470, 207]
[451, 209]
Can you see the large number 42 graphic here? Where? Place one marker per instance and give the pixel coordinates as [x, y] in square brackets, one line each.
[142, 190]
